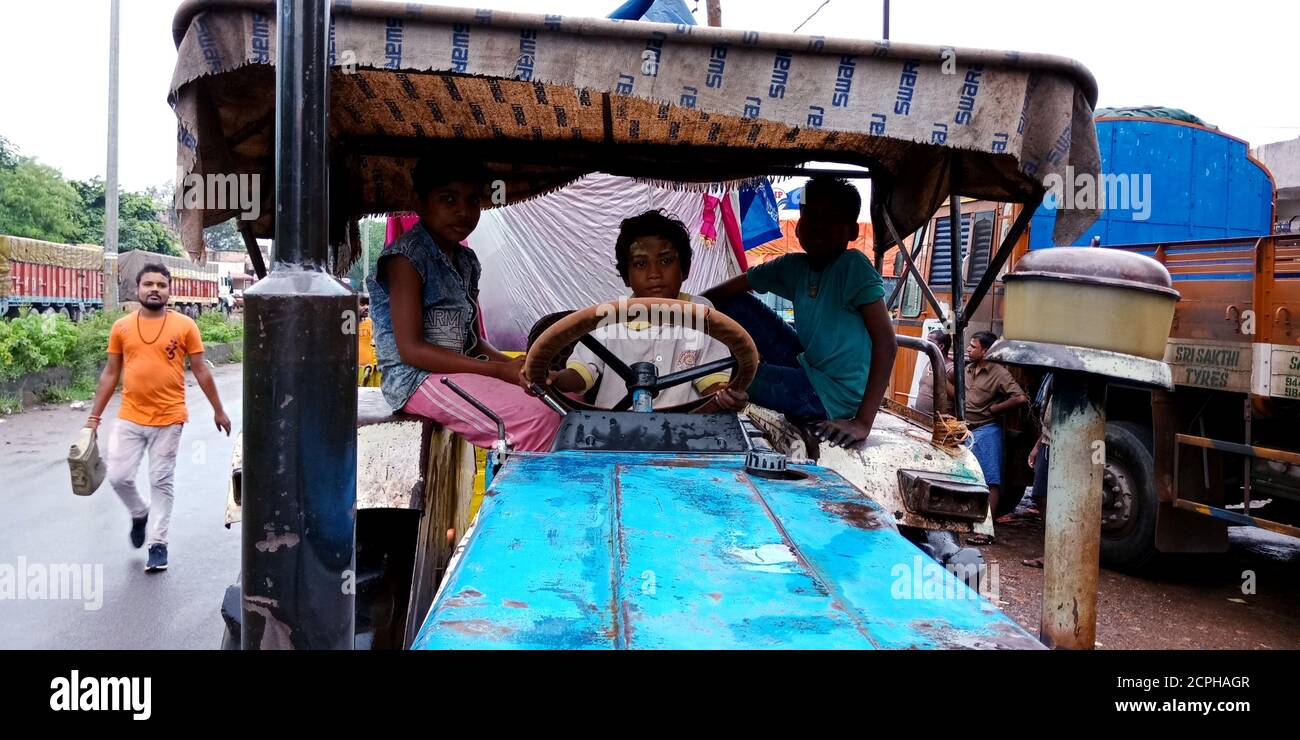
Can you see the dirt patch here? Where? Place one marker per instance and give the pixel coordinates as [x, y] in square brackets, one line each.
[1186, 602]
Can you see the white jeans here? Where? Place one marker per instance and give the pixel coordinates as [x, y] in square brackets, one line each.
[126, 447]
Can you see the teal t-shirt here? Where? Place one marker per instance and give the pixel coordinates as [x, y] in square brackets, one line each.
[836, 345]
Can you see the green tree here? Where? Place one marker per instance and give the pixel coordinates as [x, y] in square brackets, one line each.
[372, 232]
[138, 222]
[8, 155]
[223, 237]
[140, 228]
[164, 198]
[36, 202]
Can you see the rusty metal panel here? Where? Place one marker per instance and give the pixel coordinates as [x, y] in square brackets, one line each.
[651, 550]
[1277, 290]
[1238, 519]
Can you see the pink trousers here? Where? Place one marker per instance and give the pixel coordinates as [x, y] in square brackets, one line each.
[530, 424]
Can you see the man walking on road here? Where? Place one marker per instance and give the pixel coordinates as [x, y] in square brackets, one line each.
[151, 344]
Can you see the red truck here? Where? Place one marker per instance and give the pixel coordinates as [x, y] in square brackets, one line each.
[69, 278]
[49, 277]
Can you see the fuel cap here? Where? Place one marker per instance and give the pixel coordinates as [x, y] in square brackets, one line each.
[765, 463]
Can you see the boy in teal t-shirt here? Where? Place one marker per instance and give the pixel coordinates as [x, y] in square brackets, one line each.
[835, 365]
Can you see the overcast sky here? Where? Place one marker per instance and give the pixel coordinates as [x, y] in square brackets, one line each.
[1233, 64]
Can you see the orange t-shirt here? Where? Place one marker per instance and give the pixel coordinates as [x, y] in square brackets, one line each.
[365, 343]
[153, 366]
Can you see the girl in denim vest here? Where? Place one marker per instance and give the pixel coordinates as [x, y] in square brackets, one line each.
[424, 300]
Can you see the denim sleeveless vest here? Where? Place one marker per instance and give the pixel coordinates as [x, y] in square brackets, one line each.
[449, 300]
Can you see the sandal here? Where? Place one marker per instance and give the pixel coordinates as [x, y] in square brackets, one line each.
[980, 539]
[1032, 563]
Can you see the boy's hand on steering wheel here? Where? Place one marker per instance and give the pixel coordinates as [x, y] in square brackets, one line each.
[730, 400]
[528, 386]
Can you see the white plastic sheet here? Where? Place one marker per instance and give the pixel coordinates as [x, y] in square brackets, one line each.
[556, 252]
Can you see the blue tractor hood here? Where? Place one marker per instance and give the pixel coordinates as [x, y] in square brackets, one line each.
[614, 550]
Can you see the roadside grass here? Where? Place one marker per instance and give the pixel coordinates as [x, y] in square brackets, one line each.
[215, 327]
[33, 342]
[81, 389]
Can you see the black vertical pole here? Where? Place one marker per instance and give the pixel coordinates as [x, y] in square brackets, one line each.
[885, 31]
[958, 331]
[300, 393]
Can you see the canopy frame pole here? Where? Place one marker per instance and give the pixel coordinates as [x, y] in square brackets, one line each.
[254, 251]
[895, 296]
[911, 265]
[957, 328]
[300, 383]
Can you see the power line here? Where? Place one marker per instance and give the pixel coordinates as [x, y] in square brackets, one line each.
[815, 12]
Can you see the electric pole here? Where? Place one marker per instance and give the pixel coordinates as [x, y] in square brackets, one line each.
[110, 183]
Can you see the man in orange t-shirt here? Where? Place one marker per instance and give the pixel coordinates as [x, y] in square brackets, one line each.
[151, 345]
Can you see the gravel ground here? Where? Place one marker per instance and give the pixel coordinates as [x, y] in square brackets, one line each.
[1187, 602]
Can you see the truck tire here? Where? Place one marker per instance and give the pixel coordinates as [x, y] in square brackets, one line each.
[1129, 504]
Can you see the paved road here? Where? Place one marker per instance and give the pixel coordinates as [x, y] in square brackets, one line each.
[44, 523]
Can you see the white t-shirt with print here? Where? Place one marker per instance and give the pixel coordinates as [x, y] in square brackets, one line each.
[670, 348]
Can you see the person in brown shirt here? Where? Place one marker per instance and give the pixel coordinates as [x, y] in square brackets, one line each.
[990, 392]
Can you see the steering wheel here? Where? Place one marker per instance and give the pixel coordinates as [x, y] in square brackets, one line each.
[664, 312]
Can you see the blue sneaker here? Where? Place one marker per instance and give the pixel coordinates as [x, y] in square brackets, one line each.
[157, 559]
[137, 530]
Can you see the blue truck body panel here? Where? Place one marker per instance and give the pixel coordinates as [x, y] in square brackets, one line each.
[1202, 185]
[653, 550]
